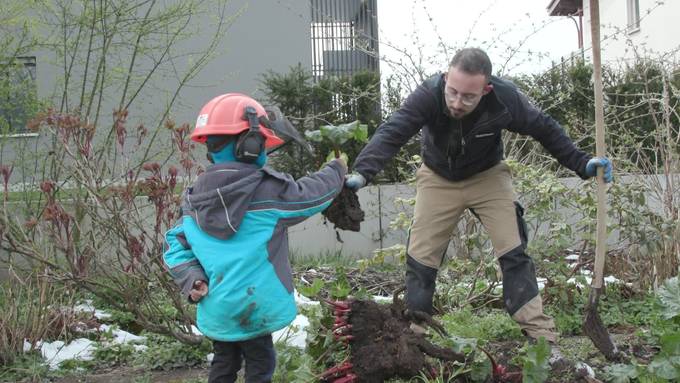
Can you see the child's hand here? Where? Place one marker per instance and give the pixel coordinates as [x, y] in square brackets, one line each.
[342, 158]
[198, 291]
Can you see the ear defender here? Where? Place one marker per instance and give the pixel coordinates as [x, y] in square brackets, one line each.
[250, 143]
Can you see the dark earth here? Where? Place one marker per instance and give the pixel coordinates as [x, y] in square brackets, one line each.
[384, 346]
[345, 211]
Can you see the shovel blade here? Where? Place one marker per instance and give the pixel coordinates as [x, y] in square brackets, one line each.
[595, 329]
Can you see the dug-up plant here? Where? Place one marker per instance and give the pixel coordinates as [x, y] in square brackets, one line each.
[345, 211]
[380, 343]
[103, 235]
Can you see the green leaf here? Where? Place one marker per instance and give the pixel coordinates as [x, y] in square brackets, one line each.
[464, 345]
[663, 367]
[536, 368]
[338, 135]
[341, 289]
[670, 344]
[481, 369]
[360, 133]
[669, 294]
[313, 290]
[314, 135]
[621, 373]
[666, 364]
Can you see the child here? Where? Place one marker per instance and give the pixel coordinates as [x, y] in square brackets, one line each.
[229, 251]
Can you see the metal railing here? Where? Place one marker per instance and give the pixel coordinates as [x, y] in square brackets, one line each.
[344, 37]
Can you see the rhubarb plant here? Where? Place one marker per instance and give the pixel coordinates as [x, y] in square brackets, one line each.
[337, 135]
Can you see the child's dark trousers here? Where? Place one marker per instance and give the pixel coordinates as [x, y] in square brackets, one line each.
[258, 354]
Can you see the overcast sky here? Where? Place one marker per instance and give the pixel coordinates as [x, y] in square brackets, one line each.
[498, 26]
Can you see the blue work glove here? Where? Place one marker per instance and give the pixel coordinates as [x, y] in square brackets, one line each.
[596, 162]
[355, 181]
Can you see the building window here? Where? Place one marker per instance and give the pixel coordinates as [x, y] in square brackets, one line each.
[344, 37]
[18, 94]
[633, 8]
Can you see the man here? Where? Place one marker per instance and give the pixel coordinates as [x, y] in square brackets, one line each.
[461, 114]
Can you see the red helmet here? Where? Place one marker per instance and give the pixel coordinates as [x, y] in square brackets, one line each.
[225, 115]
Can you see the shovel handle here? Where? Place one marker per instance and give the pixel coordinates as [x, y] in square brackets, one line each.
[600, 148]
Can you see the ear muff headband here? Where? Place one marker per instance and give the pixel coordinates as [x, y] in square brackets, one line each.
[251, 143]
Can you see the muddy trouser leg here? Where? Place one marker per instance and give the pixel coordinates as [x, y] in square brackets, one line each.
[493, 202]
[260, 359]
[437, 211]
[226, 362]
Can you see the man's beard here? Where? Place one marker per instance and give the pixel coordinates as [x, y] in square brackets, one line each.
[458, 113]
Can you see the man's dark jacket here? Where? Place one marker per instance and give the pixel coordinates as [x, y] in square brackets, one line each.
[456, 151]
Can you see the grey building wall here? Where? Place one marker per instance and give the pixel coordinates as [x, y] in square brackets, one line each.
[263, 35]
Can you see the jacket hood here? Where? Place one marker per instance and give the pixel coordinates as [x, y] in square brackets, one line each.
[219, 198]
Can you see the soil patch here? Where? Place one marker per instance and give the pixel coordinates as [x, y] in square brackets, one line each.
[129, 375]
[345, 211]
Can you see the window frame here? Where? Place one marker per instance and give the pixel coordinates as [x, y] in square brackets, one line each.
[29, 72]
[633, 16]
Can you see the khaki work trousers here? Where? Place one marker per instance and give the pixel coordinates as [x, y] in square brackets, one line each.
[491, 197]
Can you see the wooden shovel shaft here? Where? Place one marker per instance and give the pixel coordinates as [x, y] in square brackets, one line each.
[600, 149]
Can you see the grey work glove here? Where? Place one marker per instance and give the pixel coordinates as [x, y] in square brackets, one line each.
[355, 181]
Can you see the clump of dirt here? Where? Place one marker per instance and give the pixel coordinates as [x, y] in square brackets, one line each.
[345, 211]
[383, 346]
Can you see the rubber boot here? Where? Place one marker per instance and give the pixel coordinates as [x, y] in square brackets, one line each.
[420, 285]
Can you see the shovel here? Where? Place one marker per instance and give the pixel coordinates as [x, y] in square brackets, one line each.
[592, 324]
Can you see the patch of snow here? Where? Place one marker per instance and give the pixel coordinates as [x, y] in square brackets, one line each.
[210, 357]
[608, 279]
[196, 331]
[121, 336]
[295, 334]
[303, 300]
[572, 257]
[541, 282]
[382, 299]
[582, 367]
[57, 352]
[87, 307]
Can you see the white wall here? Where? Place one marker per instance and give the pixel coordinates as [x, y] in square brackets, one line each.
[659, 31]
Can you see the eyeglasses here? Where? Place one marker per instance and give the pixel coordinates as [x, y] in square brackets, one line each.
[466, 99]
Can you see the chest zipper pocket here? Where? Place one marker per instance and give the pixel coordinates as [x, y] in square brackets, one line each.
[484, 135]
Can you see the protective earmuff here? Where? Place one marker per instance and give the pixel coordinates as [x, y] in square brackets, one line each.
[250, 143]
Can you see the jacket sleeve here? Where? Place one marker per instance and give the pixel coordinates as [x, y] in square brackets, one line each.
[395, 132]
[181, 262]
[299, 199]
[528, 120]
